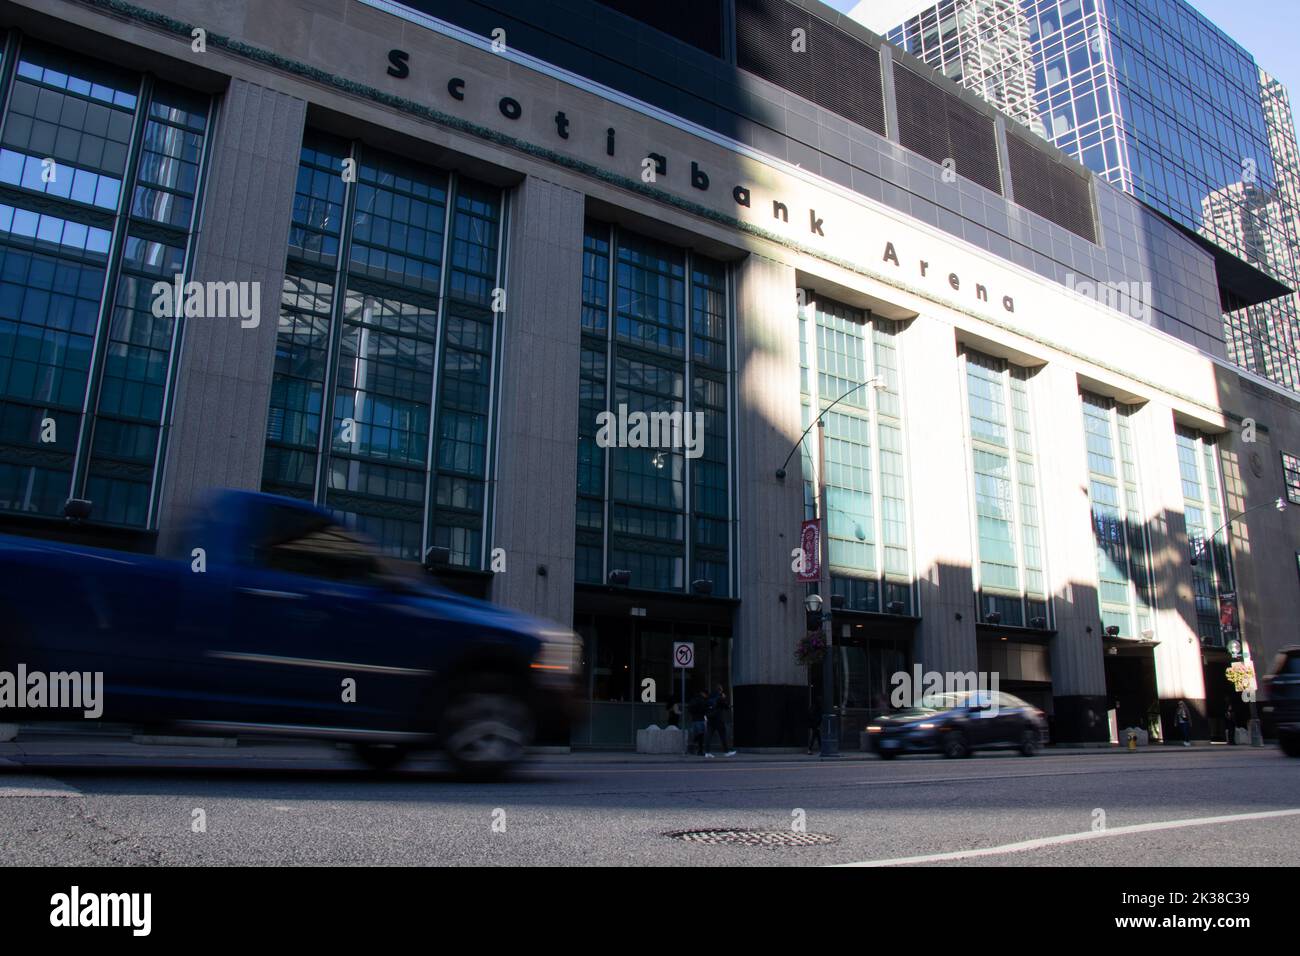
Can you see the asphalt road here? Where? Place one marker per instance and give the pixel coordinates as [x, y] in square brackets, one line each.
[1203, 807]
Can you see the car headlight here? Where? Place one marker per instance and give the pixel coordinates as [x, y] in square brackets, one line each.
[874, 729]
[926, 726]
[559, 654]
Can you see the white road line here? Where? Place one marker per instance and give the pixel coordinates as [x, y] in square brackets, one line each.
[1076, 838]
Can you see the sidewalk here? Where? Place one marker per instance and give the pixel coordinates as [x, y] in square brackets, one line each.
[118, 744]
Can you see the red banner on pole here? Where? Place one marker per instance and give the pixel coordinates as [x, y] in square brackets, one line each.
[809, 570]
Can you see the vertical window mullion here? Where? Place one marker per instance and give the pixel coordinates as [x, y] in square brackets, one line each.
[431, 461]
[338, 307]
[611, 320]
[112, 272]
[688, 401]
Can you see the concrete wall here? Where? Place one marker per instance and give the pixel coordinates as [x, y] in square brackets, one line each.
[1264, 542]
[1178, 655]
[939, 505]
[218, 423]
[537, 470]
[1070, 555]
[770, 689]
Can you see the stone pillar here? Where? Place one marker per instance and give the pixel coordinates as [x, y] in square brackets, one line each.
[1179, 674]
[939, 501]
[771, 706]
[1079, 701]
[217, 429]
[537, 435]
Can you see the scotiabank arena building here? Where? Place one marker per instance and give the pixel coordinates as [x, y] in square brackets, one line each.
[550, 291]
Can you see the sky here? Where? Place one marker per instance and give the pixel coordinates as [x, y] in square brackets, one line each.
[1266, 28]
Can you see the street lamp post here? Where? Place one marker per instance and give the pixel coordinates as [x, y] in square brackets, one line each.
[830, 730]
[830, 734]
[1256, 734]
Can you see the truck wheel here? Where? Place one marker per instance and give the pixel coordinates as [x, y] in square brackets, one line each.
[381, 756]
[486, 728]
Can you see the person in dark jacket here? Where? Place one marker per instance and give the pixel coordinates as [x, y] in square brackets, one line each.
[717, 717]
[1230, 723]
[1184, 718]
[815, 724]
[698, 711]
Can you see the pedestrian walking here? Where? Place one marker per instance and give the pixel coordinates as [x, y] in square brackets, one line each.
[815, 724]
[1230, 723]
[1185, 723]
[717, 717]
[698, 711]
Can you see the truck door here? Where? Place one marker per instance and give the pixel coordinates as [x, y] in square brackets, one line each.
[318, 637]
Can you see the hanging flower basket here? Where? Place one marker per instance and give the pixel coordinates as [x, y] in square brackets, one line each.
[810, 649]
[1241, 675]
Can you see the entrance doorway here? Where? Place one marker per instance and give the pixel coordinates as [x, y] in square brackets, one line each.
[629, 678]
[1132, 691]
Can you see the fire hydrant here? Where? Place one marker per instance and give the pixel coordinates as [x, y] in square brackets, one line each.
[1132, 740]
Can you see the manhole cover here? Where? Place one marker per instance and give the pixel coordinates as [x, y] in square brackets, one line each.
[741, 837]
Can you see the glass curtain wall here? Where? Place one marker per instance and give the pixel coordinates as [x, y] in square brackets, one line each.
[1009, 571]
[100, 176]
[655, 346]
[842, 349]
[381, 402]
[1123, 554]
[1204, 514]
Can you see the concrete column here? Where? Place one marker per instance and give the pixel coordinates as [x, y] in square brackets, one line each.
[1179, 674]
[1079, 700]
[771, 690]
[537, 437]
[218, 422]
[939, 498]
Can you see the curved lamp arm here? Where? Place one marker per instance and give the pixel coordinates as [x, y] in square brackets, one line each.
[1278, 503]
[875, 381]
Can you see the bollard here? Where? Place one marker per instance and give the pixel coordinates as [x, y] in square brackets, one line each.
[1132, 741]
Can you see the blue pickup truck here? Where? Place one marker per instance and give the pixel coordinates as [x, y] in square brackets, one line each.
[275, 619]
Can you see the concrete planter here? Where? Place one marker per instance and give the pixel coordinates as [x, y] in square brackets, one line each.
[660, 740]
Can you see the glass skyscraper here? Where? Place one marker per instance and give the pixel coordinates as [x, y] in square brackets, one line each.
[1157, 100]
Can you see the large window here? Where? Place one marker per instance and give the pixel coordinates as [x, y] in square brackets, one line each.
[381, 401]
[655, 323]
[1123, 556]
[1009, 571]
[1207, 539]
[100, 172]
[1291, 477]
[849, 355]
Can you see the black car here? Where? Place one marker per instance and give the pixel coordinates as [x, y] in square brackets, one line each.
[958, 724]
[1281, 701]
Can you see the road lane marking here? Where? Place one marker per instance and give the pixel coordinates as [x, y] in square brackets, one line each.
[1065, 838]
